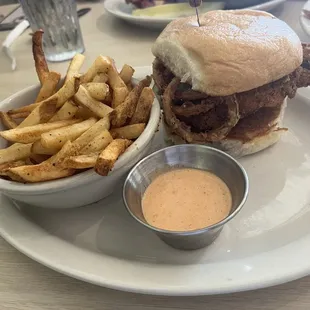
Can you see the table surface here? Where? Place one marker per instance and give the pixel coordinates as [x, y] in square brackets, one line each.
[26, 284]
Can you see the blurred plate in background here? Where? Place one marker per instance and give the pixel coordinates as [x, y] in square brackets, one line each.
[120, 9]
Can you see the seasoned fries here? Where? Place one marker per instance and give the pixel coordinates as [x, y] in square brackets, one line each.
[41, 114]
[39, 57]
[38, 173]
[98, 91]
[127, 73]
[49, 86]
[98, 144]
[67, 111]
[5, 167]
[33, 133]
[67, 91]
[92, 132]
[120, 90]
[15, 152]
[101, 78]
[144, 106]
[75, 66]
[58, 137]
[26, 109]
[81, 161]
[38, 148]
[101, 65]
[125, 111]
[109, 156]
[130, 132]
[7, 120]
[86, 122]
[83, 98]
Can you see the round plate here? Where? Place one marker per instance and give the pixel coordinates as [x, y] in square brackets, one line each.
[120, 9]
[268, 242]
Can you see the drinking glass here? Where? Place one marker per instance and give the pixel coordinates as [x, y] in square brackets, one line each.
[59, 21]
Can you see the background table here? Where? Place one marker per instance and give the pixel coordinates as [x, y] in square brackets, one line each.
[26, 285]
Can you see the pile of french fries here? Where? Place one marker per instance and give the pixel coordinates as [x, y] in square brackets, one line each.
[87, 122]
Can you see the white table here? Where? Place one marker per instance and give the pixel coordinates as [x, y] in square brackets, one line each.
[26, 285]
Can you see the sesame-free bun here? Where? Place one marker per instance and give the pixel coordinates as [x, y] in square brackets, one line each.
[232, 51]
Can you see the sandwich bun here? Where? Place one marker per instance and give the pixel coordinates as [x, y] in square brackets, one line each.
[232, 51]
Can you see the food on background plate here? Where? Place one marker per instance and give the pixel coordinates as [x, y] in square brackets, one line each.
[175, 10]
[144, 5]
[73, 127]
[171, 202]
[228, 87]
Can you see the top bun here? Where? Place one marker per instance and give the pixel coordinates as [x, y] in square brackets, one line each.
[232, 51]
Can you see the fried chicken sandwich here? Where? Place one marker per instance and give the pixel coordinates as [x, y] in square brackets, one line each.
[226, 83]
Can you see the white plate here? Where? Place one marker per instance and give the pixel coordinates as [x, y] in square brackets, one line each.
[120, 9]
[268, 243]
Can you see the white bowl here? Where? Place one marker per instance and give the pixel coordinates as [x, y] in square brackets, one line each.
[81, 189]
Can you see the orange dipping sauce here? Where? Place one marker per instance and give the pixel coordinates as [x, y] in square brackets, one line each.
[186, 199]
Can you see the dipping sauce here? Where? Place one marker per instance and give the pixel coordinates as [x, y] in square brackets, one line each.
[186, 199]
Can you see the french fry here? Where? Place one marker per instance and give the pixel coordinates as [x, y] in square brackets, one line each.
[83, 98]
[98, 91]
[60, 97]
[110, 154]
[67, 91]
[101, 78]
[87, 136]
[69, 149]
[15, 152]
[33, 133]
[26, 109]
[125, 111]
[49, 86]
[38, 148]
[144, 106]
[6, 166]
[41, 114]
[19, 115]
[38, 173]
[58, 137]
[102, 125]
[7, 121]
[75, 66]
[39, 57]
[100, 65]
[81, 161]
[130, 132]
[97, 144]
[118, 86]
[47, 170]
[67, 111]
[127, 73]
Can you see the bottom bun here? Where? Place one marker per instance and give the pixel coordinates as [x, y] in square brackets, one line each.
[238, 148]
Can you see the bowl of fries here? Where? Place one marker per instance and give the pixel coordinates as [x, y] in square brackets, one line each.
[76, 137]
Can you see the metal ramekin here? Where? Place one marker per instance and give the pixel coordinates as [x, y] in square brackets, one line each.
[186, 156]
